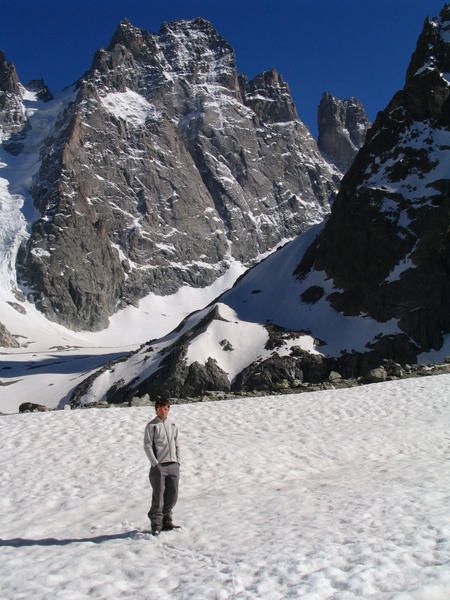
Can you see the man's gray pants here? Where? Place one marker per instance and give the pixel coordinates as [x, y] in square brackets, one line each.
[164, 481]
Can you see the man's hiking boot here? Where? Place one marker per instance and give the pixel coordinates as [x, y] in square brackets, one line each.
[168, 525]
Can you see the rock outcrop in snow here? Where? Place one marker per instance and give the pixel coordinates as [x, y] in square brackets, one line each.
[343, 125]
[6, 339]
[166, 165]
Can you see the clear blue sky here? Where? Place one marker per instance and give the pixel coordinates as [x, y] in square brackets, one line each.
[355, 48]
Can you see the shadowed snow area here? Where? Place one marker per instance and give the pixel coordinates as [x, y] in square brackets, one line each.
[334, 495]
[271, 293]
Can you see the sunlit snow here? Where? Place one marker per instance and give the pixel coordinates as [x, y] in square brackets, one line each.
[56, 359]
[334, 495]
[129, 106]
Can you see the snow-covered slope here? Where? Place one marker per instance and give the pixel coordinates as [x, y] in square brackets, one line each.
[52, 360]
[339, 495]
[261, 318]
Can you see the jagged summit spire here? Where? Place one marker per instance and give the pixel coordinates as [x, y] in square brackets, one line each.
[126, 30]
[445, 12]
[125, 33]
[427, 88]
[9, 80]
[269, 96]
[342, 129]
[433, 48]
[197, 23]
[196, 31]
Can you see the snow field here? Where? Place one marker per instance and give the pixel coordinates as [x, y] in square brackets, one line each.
[53, 359]
[334, 495]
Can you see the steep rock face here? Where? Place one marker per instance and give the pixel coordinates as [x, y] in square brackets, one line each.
[343, 125]
[165, 166]
[12, 115]
[386, 245]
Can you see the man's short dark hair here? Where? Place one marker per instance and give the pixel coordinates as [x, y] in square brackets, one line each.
[162, 402]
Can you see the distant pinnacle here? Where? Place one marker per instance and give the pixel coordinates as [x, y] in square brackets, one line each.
[9, 80]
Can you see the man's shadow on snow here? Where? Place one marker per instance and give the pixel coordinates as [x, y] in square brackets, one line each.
[98, 539]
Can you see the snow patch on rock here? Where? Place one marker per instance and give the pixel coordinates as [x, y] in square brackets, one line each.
[130, 107]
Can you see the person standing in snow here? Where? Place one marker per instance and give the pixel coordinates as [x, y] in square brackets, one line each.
[161, 447]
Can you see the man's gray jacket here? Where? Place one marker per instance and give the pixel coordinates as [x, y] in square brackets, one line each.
[161, 441]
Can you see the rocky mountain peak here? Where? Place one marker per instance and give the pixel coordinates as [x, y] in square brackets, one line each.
[163, 170]
[12, 113]
[268, 95]
[386, 244]
[127, 35]
[343, 125]
[9, 80]
[198, 24]
[429, 69]
[195, 50]
[432, 53]
[40, 88]
[191, 51]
